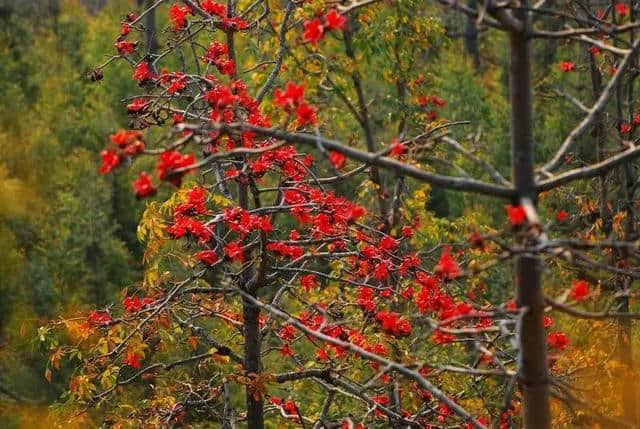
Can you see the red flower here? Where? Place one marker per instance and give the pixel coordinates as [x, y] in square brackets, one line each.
[334, 21]
[142, 73]
[557, 340]
[567, 66]
[625, 127]
[207, 257]
[306, 114]
[516, 215]
[213, 8]
[337, 159]
[293, 95]
[143, 186]
[388, 243]
[562, 215]
[437, 101]
[447, 268]
[170, 161]
[137, 105]
[397, 149]
[393, 324]
[125, 29]
[99, 318]
[313, 31]
[594, 50]
[622, 9]
[133, 360]
[135, 304]
[579, 290]
[178, 16]
[440, 337]
[308, 281]
[547, 322]
[123, 47]
[110, 160]
[234, 251]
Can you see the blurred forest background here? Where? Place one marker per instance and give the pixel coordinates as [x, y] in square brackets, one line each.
[67, 234]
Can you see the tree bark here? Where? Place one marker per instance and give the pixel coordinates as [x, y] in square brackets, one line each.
[533, 372]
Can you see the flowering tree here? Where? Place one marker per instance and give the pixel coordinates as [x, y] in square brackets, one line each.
[267, 273]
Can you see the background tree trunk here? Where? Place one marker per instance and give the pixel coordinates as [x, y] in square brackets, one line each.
[533, 372]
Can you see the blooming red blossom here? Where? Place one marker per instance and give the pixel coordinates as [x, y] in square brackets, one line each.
[133, 360]
[178, 16]
[184, 225]
[142, 73]
[134, 304]
[440, 337]
[138, 105]
[308, 281]
[337, 159]
[567, 66]
[625, 127]
[99, 318]
[516, 215]
[306, 114]
[124, 47]
[334, 21]
[143, 186]
[557, 340]
[313, 31]
[397, 148]
[207, 257]
[110, 160]
[579, 290]
[213, 8]
[234, 251]
[171, 160]
[290, 97]
[393, 324]
[448, 268]
[562, 215]
[622, 9]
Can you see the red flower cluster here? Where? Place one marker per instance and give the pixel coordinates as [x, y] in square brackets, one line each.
[207, 257]
[516, 215]
[97, 318]
[557, 340]
[143, 186]
[241, 221]
[142, 73]
[567, 66]
[393, 324]
[170, 161]
[293, 98]
[133, 304]
[220, 10]
[178, 16]
[579, 290]
[129, 143]
[286, 250]
[314, 30]
[218, 55]
[123, 47]
[447, 268]
[184, 225]
[133, 360]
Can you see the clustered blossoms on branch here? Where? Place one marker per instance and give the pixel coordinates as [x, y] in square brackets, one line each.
[267, 279]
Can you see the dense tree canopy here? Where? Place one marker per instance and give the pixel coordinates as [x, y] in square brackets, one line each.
[349, 214]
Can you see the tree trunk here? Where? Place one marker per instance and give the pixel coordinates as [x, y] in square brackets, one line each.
[533, 373]
[255, 418]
